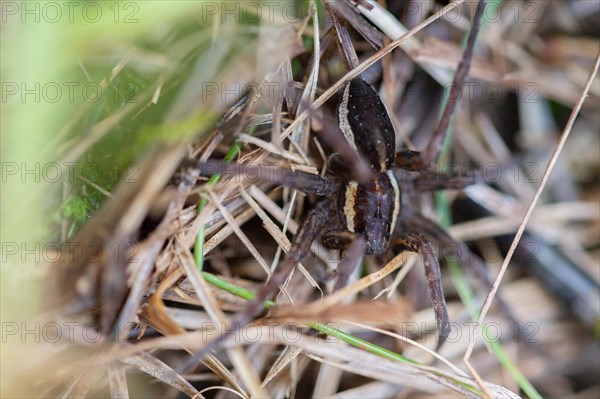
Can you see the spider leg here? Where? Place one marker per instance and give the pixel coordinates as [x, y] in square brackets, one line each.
[307, 233]
[350, 261]
[338, 166]
[351, 258]
[434, 181]
[356, 168]
[416, 242]
[353, 247]
[307, 182]
[415, 161]
[337, 238]
[463, 255]
[411, 160]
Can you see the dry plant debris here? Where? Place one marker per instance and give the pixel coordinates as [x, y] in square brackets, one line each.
[177, 255]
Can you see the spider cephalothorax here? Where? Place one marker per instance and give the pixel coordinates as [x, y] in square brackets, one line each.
[371, 210]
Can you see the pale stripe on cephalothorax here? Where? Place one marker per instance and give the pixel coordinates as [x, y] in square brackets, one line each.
[343, 118]
[396, 210]
[349, 211]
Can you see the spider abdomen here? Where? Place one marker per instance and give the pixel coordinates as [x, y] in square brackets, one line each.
[371, 209]
[366, 125]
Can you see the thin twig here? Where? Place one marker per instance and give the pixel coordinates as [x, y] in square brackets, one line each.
[432, 152]
[513, 246]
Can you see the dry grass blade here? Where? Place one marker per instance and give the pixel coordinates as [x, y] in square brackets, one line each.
[220, 388]
[267, 203]
[412, 45]
[359, 362]
[338, 296]
[237, 355]
[274, 231]
[147, 253]
[344, 9]
[155, 314]
[361, 311]
[286, 357]
[94, 185]
[328, 381]
[151, 365]
[413, 343]
[226, 231]
[376, 389]
[549, 221]
[272, 148]
[410, 263]
[117, 382]
[238, 231]
[347, 50]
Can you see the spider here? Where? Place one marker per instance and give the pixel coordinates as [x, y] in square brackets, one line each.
[365, 215]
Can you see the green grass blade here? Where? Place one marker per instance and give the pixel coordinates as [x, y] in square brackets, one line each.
[214, 179]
